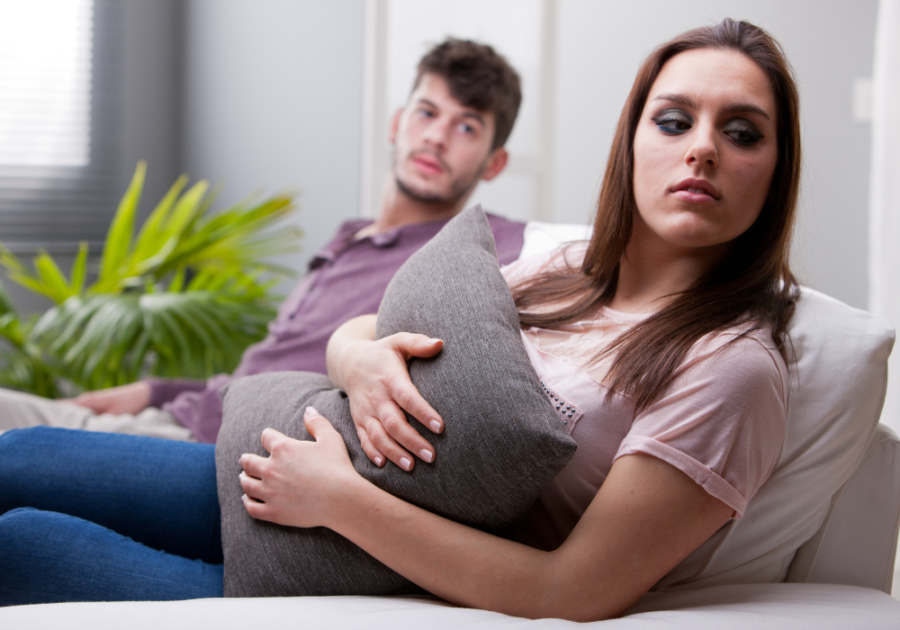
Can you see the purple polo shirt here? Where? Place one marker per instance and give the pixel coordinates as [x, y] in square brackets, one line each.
[346, 278]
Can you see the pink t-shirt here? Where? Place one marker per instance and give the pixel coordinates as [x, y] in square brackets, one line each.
[721, 421]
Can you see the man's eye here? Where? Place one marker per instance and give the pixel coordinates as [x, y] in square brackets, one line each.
[672, 124]
[426, 113]
[466, 129]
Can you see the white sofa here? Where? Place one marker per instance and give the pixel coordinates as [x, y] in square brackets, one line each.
[850, 569]
[815, 548]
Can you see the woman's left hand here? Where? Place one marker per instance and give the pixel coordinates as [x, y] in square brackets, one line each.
[297, 483]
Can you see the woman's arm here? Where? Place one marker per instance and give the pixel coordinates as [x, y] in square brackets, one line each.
[645, 519]
[375, 376]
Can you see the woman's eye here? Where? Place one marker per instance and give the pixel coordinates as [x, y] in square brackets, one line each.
[672, 124]
[743, 135]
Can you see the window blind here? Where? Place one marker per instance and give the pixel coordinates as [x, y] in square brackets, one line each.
[59, 117]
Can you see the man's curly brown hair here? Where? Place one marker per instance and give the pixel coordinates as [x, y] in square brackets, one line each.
[478, 77]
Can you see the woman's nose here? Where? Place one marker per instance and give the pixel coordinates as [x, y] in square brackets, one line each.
[703, 150]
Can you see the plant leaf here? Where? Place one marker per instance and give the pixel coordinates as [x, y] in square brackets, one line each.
[118, 239]
[6, 303]
[184, 298]
[78, 268]
[57, 287]
[150, 240]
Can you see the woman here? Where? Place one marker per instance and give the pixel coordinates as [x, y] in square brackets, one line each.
[687, 273]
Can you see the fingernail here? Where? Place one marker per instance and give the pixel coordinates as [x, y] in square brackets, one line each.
[435, 426]
[426, 455]
[433, 340]
[311, 411]
[378, 462]
[405, 463]
[243, 497]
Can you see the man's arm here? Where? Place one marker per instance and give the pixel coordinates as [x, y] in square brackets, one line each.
[163, 390]
[131, 399]
[135, 397]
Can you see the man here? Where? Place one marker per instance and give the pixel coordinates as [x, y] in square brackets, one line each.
[448, 137]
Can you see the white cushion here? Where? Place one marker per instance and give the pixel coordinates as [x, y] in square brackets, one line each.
[543, 237]
[839, 376]
[838, 381]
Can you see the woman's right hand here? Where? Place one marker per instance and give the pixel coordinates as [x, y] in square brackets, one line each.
[375, 376]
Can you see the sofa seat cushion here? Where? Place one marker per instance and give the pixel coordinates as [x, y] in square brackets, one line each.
[746, 607]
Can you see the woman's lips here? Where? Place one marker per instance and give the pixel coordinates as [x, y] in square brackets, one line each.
[694, 195]
[696, 191]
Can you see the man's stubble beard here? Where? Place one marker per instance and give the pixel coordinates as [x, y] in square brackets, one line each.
[458, 189]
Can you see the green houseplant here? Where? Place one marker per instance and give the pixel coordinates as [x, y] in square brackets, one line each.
[182, 297]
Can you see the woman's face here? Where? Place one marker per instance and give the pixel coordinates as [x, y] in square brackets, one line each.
[705, 150]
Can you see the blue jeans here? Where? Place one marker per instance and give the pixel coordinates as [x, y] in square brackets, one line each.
[106, 517]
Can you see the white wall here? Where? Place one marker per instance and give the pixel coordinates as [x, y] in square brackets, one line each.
[594, 49]
[829, 44]
[272, 98]
[520, 30]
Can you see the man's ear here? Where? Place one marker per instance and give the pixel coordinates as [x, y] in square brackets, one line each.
[495, 164]
[395, 124]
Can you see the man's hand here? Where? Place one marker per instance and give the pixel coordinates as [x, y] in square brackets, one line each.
[131, 399]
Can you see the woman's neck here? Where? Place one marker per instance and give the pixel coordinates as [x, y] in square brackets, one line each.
[649, 277]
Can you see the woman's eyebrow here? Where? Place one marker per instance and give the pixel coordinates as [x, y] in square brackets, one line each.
[732, 108]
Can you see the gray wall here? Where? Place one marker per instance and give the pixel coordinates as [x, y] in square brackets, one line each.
[151, 95]
[829, 44]
[272, 100]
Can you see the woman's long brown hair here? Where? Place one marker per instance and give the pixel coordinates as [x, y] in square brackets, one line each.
[752, 285]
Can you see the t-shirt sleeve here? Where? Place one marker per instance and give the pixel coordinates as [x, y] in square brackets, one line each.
[163, 390]
[509, 236]
[722, 419]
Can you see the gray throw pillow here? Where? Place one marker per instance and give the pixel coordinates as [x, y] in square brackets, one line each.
[502, 441]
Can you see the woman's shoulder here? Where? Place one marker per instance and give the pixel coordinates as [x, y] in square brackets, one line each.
[746, 357]
[722, 418]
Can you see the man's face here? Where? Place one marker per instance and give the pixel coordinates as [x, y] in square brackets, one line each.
[441, 148]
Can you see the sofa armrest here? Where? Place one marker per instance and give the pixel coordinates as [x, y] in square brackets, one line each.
[857, 542]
